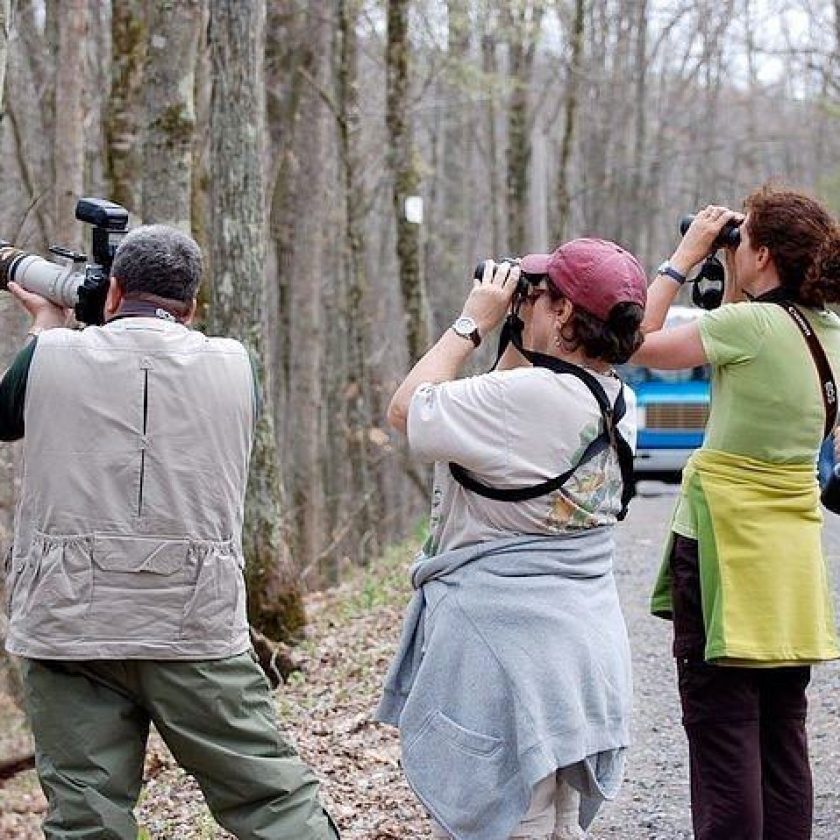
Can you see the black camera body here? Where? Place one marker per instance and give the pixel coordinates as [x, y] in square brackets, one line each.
[76, 284]
[729, 236]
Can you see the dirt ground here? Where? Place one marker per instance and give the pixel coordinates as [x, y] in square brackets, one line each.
[326, 710]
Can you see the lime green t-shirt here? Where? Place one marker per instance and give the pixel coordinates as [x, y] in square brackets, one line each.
[766, 396]
[749, 495]
[766, 399]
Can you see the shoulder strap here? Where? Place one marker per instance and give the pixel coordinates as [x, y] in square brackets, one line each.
[610, 436]
[828, 389]
[611, 415]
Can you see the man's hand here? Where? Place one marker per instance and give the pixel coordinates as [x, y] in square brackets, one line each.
[45, 314]
[490, 297]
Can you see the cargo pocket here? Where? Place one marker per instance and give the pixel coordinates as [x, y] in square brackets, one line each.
[453, 767]
[54, 586]
[215, 609]
[140, 588]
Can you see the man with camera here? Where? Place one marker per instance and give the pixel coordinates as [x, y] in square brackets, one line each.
[124, 585]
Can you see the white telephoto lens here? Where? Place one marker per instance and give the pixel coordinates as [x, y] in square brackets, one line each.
[57, 283]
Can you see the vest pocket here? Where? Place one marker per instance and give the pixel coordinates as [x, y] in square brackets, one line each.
[215, 610]
[53, 586]
[140, 587]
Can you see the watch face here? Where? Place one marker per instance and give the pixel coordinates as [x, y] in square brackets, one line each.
[464, 326]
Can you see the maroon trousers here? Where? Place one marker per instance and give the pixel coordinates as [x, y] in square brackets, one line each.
[748, 750]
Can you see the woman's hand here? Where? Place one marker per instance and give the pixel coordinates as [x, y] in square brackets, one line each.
[490, 297]
[45, 314]
[700, 237]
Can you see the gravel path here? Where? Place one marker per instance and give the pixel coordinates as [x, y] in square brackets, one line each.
[326, 710]
[653, 804]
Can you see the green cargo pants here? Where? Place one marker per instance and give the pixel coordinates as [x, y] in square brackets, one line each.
[91, 722]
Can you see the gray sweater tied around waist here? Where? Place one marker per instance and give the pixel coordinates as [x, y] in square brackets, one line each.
[513, 663]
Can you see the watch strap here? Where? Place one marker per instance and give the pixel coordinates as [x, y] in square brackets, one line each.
[669, 270]
[474, 336]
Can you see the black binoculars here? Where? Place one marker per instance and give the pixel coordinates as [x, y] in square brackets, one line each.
[729, 236]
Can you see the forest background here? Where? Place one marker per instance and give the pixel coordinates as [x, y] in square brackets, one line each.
[294, 139]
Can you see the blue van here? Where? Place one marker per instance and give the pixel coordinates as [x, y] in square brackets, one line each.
[673, 406]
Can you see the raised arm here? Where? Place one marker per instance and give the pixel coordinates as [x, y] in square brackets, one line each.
[694, 247]
[675, 349]
[680, 347]
[486, 305]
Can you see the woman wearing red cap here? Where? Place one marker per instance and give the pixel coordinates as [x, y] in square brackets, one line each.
[511, 687]
[744, 578]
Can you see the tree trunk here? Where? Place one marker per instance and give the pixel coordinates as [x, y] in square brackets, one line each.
[285, 52]
[170, 111]
[69, 160]
[450, 247]
[366, 507]
[490, 67]
[5, 9]
[124, 120]
[638, 193]
[562, 191]
[406, 179]
[28, 109]
[524, 21]
[308, 388]
[9, 677]
[519, 143]
[236, 36]
[199, 189]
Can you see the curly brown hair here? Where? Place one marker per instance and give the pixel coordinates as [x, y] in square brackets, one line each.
[614, 340]
[803, 239]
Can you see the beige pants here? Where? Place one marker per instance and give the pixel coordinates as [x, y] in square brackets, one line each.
[552, 814]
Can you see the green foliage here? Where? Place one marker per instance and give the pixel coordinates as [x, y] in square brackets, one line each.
[421, 530]
[383, 583]
[296, 678]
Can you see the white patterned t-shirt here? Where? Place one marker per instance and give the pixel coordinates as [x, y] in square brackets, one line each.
[516, 428]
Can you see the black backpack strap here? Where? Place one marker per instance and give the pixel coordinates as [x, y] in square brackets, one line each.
[611, 414]
[828, 389]
[511, 332]
[625, 460]
[523, 494]
[610, 436]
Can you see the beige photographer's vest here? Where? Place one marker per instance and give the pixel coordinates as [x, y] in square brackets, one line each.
[128, 530]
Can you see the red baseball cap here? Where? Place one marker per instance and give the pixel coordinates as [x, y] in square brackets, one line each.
[593, 274]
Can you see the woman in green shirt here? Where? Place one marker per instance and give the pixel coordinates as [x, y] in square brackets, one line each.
[744, 578]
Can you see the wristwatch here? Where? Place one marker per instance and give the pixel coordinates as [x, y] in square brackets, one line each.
[467, 328]
[667, 268]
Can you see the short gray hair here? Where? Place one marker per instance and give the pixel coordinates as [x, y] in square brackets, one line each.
[158, 260]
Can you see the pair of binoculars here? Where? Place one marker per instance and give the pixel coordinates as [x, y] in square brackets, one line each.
[729, 236]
